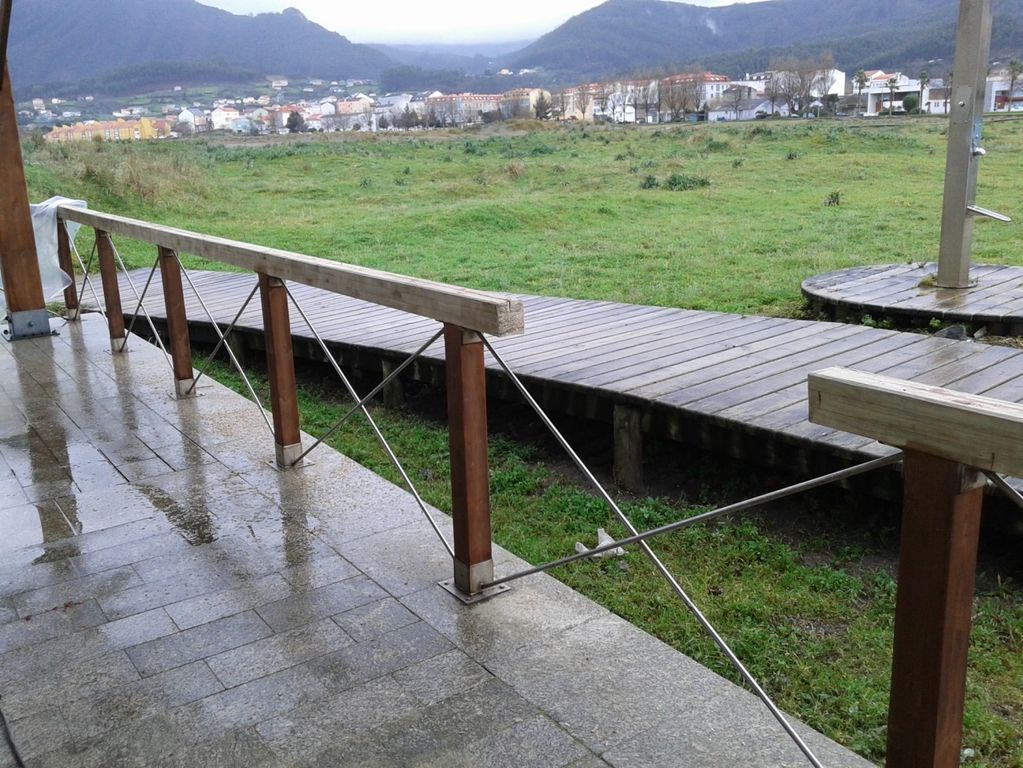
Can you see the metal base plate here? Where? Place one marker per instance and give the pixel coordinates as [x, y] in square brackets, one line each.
[27, 324]
[479, 597]
[304, 463]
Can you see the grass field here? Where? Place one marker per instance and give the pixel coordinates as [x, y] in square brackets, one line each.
[563, 212]
[591, 213]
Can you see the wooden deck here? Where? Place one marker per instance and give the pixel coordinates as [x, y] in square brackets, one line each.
[690, 374]
[906, 293]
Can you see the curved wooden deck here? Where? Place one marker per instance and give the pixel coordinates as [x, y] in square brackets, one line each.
[720, 378]
[906, 292]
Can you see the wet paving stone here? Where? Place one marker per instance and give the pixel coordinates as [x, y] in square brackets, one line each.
[382, 655]
[97, 585]
[277, 652]
[305, 607]
[160, 593]
[261, 699]
[91, 716]
[197, 643]
[35, 628]
[226, 602]
[312, 729]
[374, 619]
[442, 676]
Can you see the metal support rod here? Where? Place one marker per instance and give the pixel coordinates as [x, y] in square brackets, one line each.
[234, 360]
[86, 281]
[141, 298]
[372, 393]
[223, 338]
[1000, 483]
[706, 517]
[373, 425]
[702, 620]
[973, 45]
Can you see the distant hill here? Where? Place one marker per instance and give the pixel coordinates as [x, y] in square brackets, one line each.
[624, 36]
[57, 40]
[472, 59]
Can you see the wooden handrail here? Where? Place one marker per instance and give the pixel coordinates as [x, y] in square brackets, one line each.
[467, 308]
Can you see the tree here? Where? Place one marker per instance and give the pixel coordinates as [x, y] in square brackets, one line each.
[1015, 70]
[861, 81]
[773, 91]
[892, 85]
[543, 107]
[383, 125]
[733, 98]
[925, 81]
[910, 103]
[295, 123]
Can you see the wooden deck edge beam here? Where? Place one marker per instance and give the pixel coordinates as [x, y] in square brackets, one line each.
[969, 429]
[481, 311]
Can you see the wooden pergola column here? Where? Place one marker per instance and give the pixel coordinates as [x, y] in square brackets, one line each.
[19, 265]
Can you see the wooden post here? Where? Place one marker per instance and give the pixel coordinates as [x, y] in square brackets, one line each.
[394, 392]
[937, 563]
[177, 322]
[19, 266]
[628, 447]
[467, 435]
[67, 265]
[111, 289]
[280, 367]
[945, 436]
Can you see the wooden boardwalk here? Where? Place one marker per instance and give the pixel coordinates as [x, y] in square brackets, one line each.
[902, 292]
[685, 371]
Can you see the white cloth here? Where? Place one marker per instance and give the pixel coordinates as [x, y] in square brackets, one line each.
[44, 223]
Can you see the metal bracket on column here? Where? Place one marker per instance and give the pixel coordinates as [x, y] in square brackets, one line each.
[27, 324]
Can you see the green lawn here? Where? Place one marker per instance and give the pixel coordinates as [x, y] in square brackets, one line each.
[565, 212]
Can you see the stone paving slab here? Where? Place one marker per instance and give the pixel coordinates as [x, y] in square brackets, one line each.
[168, 598]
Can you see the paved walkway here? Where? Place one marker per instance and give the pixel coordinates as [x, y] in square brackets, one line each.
[167, 598]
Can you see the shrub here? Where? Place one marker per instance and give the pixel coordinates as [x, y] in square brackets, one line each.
[650, 182]
[515, 169]
[680, 182]
[792, 155]
[833, 198]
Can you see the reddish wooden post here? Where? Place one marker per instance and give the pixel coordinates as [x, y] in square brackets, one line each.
[467, 435]
[280, 366]
[68, 267]
[945, 436]
[19, 266]
[937, 565]
[177, 322]
[111, 290]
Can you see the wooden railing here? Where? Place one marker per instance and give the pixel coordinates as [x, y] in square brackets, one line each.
[949, 440]
[465, 314]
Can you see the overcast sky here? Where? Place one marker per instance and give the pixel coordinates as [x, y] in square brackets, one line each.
[432, 21]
